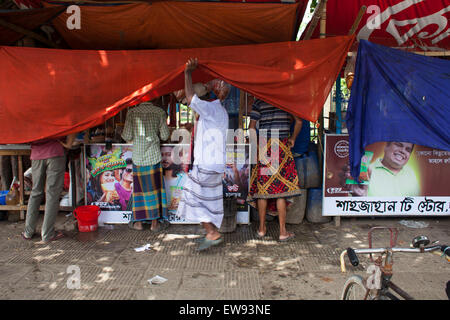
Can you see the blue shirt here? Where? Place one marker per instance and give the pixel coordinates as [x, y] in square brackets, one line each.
[303, 138]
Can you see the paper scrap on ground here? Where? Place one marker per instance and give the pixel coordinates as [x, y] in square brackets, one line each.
[143, 248]
[414, 224]
[157, 280]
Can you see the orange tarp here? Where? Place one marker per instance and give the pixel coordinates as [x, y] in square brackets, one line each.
[53, 92]
[171, 25]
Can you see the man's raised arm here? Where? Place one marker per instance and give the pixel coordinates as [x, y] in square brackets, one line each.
[191, 65]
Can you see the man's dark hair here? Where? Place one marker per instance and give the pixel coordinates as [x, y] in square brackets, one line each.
[412, 147]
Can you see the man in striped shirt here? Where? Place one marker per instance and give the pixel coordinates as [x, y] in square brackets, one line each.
[271, 118]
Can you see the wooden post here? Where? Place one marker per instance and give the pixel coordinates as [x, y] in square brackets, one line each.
[323, 29]
[21, 186]
[17, 153]
[323, 17]
[315, 19]
[362, 10]
[73, 180]
[357, 20]
[338, 105]
[242, 104]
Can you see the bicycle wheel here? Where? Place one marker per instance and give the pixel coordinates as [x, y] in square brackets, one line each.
[354, 289]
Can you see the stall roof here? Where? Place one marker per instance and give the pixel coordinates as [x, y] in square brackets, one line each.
[127, 25]
[411, 24]
[173, 24]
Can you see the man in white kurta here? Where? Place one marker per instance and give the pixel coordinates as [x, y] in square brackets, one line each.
[202, 197]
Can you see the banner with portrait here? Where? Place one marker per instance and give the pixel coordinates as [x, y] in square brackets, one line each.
[109, 179]
[175, 163]
[396, 179]
[236, 179]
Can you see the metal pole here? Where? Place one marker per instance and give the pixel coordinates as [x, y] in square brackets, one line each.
[338, 105]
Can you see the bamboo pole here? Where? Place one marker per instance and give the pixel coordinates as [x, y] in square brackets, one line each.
[315, 19]
[323, 20]
[357, 21]
[241, 107]
[433, 53]
[362, 10]
[320, 153]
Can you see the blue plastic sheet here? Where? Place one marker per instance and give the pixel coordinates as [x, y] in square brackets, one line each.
[397, 96]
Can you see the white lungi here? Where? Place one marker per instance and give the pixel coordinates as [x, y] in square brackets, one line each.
[202, 197]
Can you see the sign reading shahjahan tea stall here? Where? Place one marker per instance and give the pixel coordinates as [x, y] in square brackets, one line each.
[396, 179]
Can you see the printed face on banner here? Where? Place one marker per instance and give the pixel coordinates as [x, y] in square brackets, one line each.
[396, 155]
[236, 178]
[109, 177]
[396, 178]
[175, 164]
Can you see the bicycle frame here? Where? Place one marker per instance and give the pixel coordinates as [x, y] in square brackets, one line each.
[385, 251]
[386, 269]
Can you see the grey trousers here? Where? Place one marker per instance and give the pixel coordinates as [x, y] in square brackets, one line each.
[48, 174]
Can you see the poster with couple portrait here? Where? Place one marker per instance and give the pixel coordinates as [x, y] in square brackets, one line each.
[109, 179]
[396, 179]
[175, 164]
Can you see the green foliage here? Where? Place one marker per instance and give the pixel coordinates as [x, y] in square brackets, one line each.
[313, 5]
[345, 92]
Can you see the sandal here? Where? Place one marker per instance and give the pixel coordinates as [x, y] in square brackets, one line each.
[25, 237]
[132, 227]
[289, 237]
[206, 243]
[260, 235]
[199, 240]
[162, 225]
[58, 235]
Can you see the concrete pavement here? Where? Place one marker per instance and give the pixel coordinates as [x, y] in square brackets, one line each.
[104, 265]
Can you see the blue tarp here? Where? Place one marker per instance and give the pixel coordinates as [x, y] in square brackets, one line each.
[397, 96]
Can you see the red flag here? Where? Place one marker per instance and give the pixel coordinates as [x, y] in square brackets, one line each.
[413, 24]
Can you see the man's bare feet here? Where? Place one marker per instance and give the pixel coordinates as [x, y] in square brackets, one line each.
[213, 235]
[136, 225]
